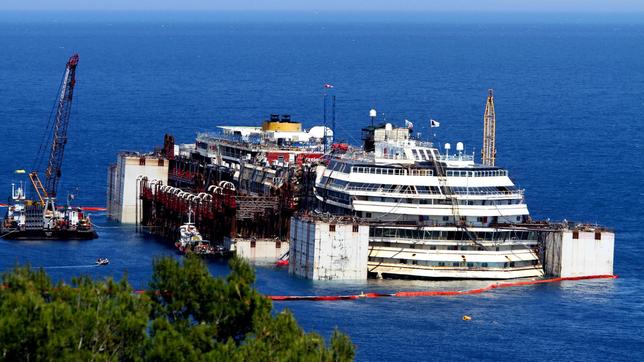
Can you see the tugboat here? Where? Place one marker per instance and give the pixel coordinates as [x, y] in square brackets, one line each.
[191, 241]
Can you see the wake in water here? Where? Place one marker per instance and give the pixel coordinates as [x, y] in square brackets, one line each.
[70, 266]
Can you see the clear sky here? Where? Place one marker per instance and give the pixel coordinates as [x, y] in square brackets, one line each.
[333, 5]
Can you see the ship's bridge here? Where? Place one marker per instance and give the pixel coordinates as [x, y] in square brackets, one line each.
[414, 151]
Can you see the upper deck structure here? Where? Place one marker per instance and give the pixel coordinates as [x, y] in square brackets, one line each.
[431, 214]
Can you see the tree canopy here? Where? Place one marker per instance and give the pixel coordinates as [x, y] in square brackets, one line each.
[187, 315]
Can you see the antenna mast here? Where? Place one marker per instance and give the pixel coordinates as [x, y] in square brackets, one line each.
[488, 153]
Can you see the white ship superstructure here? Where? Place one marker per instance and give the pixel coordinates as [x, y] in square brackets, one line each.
[431, 214]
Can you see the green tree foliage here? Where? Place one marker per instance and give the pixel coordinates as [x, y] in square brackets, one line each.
[187, 315]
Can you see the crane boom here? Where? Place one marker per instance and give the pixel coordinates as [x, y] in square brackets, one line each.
[488, 154]
[61, 121]
[40, 189]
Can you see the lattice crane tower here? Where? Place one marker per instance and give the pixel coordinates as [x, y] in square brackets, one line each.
[488, 154]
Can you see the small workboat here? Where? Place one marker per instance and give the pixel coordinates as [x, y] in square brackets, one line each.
[102, 261]
[282, 263]
[283, 260]
[190, 241]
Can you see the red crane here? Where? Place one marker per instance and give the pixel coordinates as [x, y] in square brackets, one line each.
[59, 139]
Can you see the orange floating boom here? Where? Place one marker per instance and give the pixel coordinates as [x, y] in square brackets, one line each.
[431, 293]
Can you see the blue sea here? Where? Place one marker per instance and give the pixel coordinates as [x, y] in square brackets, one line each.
[569, 95]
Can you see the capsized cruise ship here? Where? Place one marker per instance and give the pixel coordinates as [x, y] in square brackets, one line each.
[431, 214]
[396, 206]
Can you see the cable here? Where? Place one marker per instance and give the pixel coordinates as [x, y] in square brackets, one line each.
[48, 135]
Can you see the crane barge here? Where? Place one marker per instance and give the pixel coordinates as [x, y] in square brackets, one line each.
[40, 218]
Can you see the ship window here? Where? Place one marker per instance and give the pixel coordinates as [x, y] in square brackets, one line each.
[142, 161]
[161, 162]
[441, 263]
[598, 235]
[278, 244]
[470, 265]
[253, 244]
[456, 263]
[332, 227]
[355, 228]
[484, 265]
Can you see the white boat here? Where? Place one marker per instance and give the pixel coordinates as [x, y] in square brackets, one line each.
[191, 241]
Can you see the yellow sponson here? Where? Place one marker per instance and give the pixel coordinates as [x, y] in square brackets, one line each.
[282, 126]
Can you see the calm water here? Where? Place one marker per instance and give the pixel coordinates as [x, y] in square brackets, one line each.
[570, 109]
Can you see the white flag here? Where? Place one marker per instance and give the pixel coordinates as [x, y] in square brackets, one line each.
[408, 124]
[434, 123]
